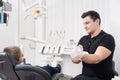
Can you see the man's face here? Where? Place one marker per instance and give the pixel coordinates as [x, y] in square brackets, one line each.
[90, 25]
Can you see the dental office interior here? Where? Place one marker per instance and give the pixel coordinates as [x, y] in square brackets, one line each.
[47, 30]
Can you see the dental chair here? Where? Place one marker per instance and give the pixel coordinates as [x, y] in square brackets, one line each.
[10, 70]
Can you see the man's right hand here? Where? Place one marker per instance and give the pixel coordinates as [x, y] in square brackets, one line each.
[77, 52]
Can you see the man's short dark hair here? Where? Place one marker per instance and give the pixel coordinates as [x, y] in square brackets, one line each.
[93, 14]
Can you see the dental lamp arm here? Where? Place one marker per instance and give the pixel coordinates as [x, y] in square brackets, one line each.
[32, 39]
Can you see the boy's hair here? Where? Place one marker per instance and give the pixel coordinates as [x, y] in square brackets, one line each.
[14, 51]
[93, 14]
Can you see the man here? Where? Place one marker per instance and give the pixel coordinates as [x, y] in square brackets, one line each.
[95, 50]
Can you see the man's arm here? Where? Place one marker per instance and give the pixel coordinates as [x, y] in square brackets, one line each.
[100, 54]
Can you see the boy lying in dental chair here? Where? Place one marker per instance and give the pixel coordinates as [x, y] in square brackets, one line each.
[17, 54]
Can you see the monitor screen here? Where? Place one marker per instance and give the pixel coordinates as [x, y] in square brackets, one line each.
[3, 17]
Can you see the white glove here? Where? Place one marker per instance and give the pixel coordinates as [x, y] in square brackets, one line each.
[77, 52]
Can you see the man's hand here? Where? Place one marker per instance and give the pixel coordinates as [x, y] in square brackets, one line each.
[78, 52]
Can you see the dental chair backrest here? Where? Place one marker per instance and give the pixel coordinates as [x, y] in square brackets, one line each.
[7, 65]
[29, 72]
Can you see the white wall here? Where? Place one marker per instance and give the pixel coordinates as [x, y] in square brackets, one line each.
[115, 26]
[9, 34]
[66, 15]
[27, 28]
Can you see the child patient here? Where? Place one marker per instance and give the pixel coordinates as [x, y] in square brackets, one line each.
[16, 52]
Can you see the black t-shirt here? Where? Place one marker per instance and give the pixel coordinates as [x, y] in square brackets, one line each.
[103, 69]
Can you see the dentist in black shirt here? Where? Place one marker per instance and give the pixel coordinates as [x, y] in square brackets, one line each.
[94, 50]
